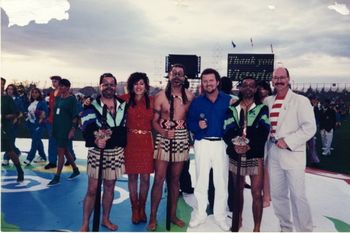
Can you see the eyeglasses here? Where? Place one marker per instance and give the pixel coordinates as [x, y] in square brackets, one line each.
[104, 85]
[275, 78]
[178, 74]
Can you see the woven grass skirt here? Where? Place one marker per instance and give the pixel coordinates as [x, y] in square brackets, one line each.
[180, 147]
[248, 166]
[113, 163]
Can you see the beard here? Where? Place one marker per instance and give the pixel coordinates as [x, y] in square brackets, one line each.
[108, 93]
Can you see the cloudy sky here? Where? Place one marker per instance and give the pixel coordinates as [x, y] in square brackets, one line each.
[89, 37]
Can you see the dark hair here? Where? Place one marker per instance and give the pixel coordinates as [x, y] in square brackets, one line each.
[56, 77]
[132, 80]
[107, 75]
[177, 65]
[256, 95]
[265, 85]
[14, 89]
[64, 82]
[2, 79]
[225, 85]
[38, 90]
[183, 89]
[211, 71]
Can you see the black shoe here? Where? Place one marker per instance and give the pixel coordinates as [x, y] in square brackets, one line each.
[247, 186]
[20, 177]
[50, 165]
[75, 173]
[67, 163]
[188, 191]
[54, 181]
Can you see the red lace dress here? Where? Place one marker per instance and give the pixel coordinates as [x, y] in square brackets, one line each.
[139, 149]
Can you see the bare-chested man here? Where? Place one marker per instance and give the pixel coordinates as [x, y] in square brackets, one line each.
[170, 128]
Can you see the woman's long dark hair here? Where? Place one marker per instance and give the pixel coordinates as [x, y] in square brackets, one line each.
[183, 88]
[15, 93]
[40, 97]
[133, 79]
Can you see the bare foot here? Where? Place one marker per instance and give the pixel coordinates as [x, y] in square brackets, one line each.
[152, 225]
[178, 222]
[84, 228]
[108, 224]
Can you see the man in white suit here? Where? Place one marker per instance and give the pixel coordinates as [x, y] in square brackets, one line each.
[292, 125]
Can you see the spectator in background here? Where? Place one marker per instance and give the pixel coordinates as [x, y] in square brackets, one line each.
[185, 177]
[11, 91]
[311, 152]
[327, 126]
[65, 123]
[8, 114]
[36, 120]
[52, 148]
[52, 151]
[264, 90]
[22, 95]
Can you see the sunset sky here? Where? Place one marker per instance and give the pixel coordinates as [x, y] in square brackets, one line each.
[86, 38]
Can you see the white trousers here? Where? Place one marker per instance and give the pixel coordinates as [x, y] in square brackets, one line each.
[327, 138]
[211, 154]
[288, 194]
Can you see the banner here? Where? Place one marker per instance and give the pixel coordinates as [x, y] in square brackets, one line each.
[259, 66]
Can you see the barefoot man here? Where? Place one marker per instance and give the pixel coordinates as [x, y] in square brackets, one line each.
[170, 130]
[108, 110]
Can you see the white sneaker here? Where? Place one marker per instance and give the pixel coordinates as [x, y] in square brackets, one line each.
[27, 162]
[326, 153]
[196, 221]
[223, 225]
[39, 160]
[5, 162]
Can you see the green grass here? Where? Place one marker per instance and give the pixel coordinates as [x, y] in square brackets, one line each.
[340, 225]
[6, 226]
[339, 161]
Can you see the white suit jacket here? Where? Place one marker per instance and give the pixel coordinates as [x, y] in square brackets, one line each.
[296, 124]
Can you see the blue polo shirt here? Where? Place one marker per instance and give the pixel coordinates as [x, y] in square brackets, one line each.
[213, 112]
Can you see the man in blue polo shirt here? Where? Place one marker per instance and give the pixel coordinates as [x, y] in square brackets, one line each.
[205, 120]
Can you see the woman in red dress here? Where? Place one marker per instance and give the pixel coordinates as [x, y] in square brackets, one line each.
[139, 150]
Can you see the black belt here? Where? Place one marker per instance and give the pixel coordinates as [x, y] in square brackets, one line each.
[213, 139]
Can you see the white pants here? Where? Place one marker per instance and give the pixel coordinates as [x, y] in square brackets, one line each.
[288, 190]
[211, 154]
[326, 138]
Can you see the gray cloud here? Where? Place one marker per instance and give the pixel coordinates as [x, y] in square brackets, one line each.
[128, 36]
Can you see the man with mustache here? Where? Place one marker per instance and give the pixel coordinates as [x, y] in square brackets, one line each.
[292, 125]
[106, 111]
[206, 120]
[250, 113]
[172, 141]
